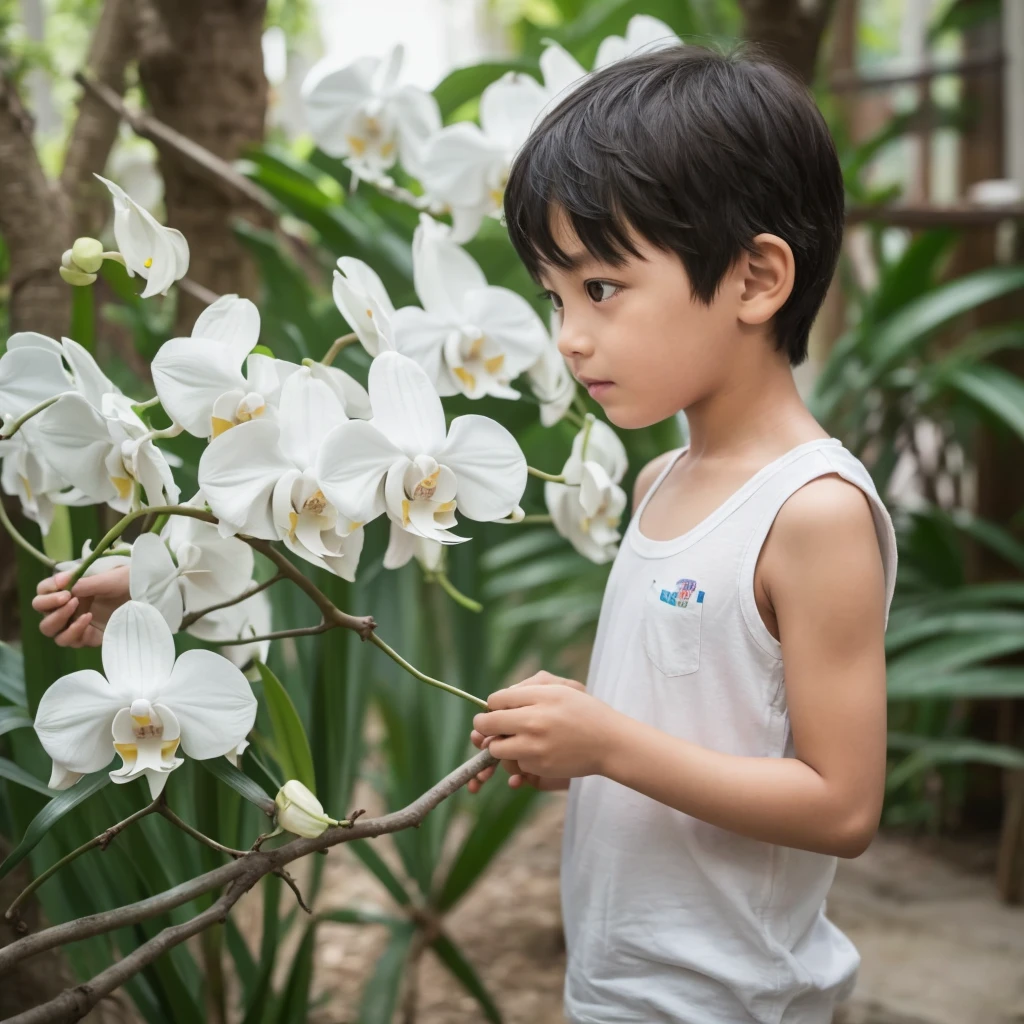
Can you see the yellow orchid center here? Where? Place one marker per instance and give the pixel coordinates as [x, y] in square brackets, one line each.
[219, 425]
[148, 262]
[123, 486]
[315, 503]
[424, 490]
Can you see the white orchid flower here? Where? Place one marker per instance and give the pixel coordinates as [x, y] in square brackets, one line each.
[561, 72]
[105, 451]
[156, 253]
[188, 567]
[403, 463]
[403, 546]
[552, 383]
[199, 379]
[470, 337]
[358, 112]
[299, 811]
[465, 166]
[363, 301]
[251, 617]
[587, 508]
[642, 33]
[259, 478]
[146, 707]
[32, 370]
[24, 475]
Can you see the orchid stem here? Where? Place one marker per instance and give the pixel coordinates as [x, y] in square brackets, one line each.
[343, 342]
[22, 542]
[103, 839]
[575, 420]
[412, 670]
[166, 812]
[148, 404]
[122, 524]
[542, 517]
[281, 634]
[17, 424]
[453, 592]
[195, 616]
[555, 478]
[158, 523]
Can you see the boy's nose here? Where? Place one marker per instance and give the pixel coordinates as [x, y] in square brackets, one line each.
[574, 343]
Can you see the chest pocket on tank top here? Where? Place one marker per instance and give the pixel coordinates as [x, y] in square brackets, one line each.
[671, 625]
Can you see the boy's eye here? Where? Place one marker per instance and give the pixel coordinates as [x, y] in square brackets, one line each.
[601, 291]
[553, 298]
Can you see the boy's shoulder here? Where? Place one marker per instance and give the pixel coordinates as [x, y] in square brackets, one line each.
[646, 477]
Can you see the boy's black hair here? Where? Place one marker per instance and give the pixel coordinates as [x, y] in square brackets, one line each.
[698, 152]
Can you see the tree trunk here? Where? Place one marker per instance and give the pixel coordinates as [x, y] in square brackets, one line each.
[201, 65]
[790, 30]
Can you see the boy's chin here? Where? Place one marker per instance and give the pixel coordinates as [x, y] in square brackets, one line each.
[628, 416]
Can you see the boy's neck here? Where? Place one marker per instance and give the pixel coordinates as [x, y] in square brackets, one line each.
[756, 411]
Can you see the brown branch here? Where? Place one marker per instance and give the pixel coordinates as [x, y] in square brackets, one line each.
[211, 166]
[197, 615]
[239, 876]
[95, 128]
[281, 634]
[852, 82]
[962, 215]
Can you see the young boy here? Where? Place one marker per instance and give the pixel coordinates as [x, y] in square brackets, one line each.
[684, 210]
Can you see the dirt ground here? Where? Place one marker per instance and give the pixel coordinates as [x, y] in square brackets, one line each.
[937, 946]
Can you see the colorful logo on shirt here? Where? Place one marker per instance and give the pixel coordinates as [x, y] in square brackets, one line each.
[679, 596]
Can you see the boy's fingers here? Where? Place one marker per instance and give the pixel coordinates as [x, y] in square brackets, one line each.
[73, 635]
[498, 723]
[53, 623]
[104, 584]
[477, 739]
[55, 582]
[48, 602]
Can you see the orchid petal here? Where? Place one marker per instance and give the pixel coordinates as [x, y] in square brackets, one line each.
[238, 472]
[406, 407]
[190, 374]
[351, 466]
[212, 701]
[90, 380]
[355, 401]
[28, 376]
[509, 107]
[75, 441]
[489, 465]
[73, 721]
[138, 649]
[443, 272]
[233, 322]
[401, 547]
[153, 579]
[310, 409]
[511, 322]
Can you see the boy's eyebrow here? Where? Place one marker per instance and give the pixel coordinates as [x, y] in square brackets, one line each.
[577, 261]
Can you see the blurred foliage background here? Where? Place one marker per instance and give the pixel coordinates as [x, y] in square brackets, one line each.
[917, 364]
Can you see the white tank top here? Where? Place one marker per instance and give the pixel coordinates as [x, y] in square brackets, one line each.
[668, 918]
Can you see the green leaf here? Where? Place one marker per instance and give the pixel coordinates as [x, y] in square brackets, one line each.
[464, 84]
[12, 675]
[363, 849]
[295, 998]
[381, 993]
[51, 814]
[15, 773]
[290, 740]
[357, 915]
[223, 769]
[13, 718]
[452, 957]
[953, 751]
[503, 809]
[976, 683]
[994, 389]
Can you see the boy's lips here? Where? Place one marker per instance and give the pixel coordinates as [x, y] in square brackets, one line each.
[595, 387]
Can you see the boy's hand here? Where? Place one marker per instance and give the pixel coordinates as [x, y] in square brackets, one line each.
[517, 777]
[76, 618]
[545, 727]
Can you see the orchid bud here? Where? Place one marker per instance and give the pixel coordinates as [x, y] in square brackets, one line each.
[299, 811]
[87, 254]
[76, 277]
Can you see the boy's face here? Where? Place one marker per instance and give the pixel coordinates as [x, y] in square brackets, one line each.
[635, 336]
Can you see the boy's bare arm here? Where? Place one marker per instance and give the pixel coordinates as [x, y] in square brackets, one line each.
[823, 571]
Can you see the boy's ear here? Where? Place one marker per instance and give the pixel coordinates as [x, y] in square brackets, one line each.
[768, 276]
